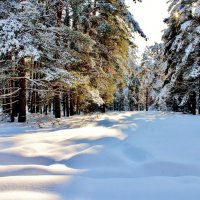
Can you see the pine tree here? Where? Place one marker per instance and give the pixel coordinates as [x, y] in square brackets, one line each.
[182, 56]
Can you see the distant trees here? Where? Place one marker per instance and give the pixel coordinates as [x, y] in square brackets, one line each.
[151, 74]
[62, 56]
[126, 98]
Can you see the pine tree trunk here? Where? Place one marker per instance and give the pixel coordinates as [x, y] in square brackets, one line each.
[3, 101]
[197, 97]
[37, 96]
[33, 102]
[64, 105]
[67, 105]
[50, 105]
[193, 103]
[33, 94]
[57, 104]
[37, 103]
[103, 110]
[53, 105]
[147, 100]
[14, 105]
[77, 104]
[45, 111]
[71, 104]
[22, 93]
[7, 102]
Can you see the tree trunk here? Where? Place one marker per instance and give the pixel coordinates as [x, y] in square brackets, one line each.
[197, 97]
[77, 104]
[45, 110]
[37, 96]
[34, 93]
[67, 105]
[8, 102]
[13, 105]
[22, 93]
[50, 105]
[103, 109]
[64, 105]
[57, 104]
[147, 100]
[193, 103]
[71, 104]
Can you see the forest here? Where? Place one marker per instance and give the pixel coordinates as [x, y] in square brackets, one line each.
[95, 115]
[66, 57]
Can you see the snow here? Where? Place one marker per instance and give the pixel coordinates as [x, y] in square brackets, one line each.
[11, 40]
[95, 96]
[8, 28]
[113, 156]
[198, 29]
[190, 49]
[196, 10]
[185, 25]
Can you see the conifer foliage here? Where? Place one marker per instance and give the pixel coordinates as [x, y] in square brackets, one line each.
[170, 72]
[182, 57]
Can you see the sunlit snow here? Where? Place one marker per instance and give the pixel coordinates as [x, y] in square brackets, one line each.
[114, 156]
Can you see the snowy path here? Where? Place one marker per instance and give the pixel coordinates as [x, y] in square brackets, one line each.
[116, 156]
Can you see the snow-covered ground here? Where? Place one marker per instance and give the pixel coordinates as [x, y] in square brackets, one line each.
[114, 156]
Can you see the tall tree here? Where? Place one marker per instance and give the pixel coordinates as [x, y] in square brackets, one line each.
[181, 44]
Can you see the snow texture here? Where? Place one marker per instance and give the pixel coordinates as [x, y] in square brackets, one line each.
[115, 156]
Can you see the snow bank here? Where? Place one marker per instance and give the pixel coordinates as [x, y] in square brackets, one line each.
[114, 156]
